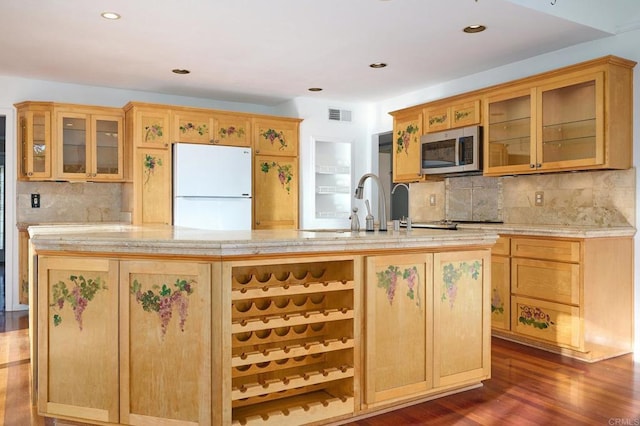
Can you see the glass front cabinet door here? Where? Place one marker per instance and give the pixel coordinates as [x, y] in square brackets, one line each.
[570, 117]
[509, 133]
[34, 140]
[89, 146]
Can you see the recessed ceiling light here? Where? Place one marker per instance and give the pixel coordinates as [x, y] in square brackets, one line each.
[110, 15]
[180, 71]
[474, 29]
[378, 65]
[315, 89]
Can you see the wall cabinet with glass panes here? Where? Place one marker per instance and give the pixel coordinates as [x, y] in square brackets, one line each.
[89, 144]
[34, 140]
[577, 118]
[70, 142]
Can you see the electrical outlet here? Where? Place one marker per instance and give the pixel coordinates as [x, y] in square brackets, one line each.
[539, 198]
[35, 201]
[432, 199]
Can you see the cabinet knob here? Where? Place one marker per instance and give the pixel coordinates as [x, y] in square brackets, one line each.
[30, 174]
[539, 165]
[532, 166]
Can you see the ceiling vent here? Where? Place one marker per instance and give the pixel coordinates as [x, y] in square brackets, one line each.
[339, 114]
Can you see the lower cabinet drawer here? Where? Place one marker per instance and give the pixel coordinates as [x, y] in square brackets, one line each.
[553, 281]
[552, 322]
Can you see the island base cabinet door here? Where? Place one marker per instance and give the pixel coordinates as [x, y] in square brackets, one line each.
[77, 338]
[165, 343]
[398, 327]
[462, 319]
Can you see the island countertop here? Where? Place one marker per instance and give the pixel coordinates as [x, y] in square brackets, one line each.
[169, 240]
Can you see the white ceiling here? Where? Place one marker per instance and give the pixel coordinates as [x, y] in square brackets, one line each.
[269, 51]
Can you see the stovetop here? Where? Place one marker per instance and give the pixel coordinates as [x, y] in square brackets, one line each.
[446, 223]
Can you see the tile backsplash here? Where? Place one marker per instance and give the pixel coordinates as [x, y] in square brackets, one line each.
[71, 202]
[594, 198]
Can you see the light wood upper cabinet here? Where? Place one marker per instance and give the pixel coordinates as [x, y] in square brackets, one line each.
[437, 118]
[275, 202]
[451, 115]
[34, 140]
[406, 153]
[194, 127]
[274, 136]
[150, 127]
[232, 130]
[509, 133]
[577, 118]
[70, 142]
[89, 144]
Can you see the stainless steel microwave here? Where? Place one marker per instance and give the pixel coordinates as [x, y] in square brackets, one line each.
[452, 151]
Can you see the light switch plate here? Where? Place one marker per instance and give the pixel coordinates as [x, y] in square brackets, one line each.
[35, 201]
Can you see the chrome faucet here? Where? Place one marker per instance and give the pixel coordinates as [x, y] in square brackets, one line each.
[408, 201]
[382, 201]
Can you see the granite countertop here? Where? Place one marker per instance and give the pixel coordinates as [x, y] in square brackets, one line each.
[568, 231]
[169, 240]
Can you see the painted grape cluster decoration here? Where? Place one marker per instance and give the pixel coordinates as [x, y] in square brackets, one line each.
[81, 293]
[285, 175]
[388, 279]
[451, 275]
[162, 300]
[272, 135]
[405, 137]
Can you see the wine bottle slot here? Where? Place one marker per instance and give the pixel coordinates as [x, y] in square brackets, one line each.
[299, 329]
[262, 304]
[282, 303]
[263, 334]
[282, 331]
[243, 337]
[241, 306]
[317, 299]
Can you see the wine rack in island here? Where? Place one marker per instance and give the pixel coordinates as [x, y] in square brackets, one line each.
[293, 342]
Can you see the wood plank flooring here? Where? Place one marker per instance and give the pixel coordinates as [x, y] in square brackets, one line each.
[528, 387]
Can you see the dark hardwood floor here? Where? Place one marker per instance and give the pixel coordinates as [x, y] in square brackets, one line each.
[528, 387]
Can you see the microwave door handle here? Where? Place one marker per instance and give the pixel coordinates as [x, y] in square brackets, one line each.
[458, 151]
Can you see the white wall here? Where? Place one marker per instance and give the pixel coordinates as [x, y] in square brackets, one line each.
[317, 126]
[624, 45]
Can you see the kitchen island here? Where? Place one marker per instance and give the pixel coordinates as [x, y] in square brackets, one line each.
[163, 325]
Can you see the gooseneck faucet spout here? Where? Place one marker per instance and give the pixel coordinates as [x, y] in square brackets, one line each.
[408, 201]
[382, 200]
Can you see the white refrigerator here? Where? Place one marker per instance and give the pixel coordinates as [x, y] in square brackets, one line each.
[211, 187]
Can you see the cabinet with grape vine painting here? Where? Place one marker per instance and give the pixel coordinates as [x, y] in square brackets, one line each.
[77, 334]
[461, 317]
[407, 129]
[275, 136]
[165, 342]
[427, 323]
[124, 341]
[399, 327]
